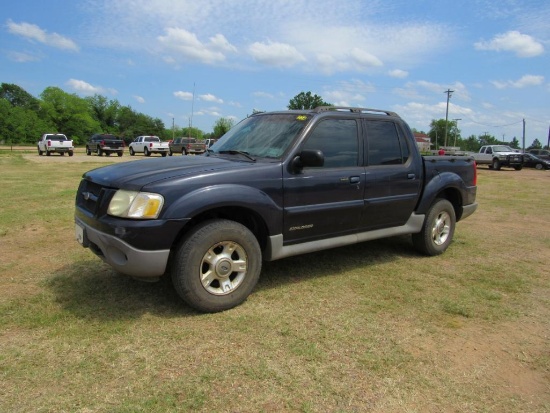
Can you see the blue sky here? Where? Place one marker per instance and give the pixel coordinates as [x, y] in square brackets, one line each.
[235, 56]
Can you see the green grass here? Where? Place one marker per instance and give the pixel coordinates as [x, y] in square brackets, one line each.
[370, 327]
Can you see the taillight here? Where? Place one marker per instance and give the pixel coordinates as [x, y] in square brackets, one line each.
[49, 143]
[150, 144]
[102, 143]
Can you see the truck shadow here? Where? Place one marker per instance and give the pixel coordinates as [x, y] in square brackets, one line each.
[90, 289]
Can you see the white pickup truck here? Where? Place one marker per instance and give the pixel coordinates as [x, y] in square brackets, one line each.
[55, 143]
[497, 156]
[148, 145]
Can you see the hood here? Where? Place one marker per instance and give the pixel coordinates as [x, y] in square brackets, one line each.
[135, 175]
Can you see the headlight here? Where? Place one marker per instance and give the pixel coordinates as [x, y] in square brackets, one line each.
[137, 205]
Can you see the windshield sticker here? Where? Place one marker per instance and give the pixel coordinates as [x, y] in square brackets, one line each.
[301, 117]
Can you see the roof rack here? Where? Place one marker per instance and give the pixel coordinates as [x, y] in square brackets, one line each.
[353, 110]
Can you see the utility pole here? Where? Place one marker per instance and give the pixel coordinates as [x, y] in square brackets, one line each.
[449, 93]
[523, 140]
[456, 123]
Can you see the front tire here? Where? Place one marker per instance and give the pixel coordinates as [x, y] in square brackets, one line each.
[438, 229]
[217, 265]
[496, 164]
[132, 152]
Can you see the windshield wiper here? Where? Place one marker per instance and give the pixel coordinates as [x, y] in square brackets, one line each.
[243, 153]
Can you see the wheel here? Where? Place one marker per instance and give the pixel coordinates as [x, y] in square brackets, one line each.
[170, 152]
[438, 229]
[183, 152]
[98, 151]
[163, 154]
[119, 154]
[71, 153]
[62, 153]
[48, 153]
[496, 164]
[518, 167]
[538, 166]
[217, 265]
[146, 152]
[88, 151]
[132, 152]
[40, 153]
[107, 153]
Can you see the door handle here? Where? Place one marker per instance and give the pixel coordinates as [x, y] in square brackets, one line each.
[411, 176]
[354, 179]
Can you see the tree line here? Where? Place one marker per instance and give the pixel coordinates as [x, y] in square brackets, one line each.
[24, 118]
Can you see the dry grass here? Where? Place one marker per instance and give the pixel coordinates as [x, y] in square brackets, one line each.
[373, 327]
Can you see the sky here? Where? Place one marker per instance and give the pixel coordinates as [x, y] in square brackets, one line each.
[191, 62]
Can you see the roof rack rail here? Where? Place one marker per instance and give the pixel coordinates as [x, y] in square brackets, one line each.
[353, 110]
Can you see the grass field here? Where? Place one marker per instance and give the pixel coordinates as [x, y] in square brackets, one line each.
[369, 328]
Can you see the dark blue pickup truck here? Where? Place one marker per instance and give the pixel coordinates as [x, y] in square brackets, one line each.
[277, 184]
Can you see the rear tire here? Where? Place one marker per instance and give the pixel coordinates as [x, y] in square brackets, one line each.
[71, 153]
[48, 153]
[119, 154]
[146, 152]
[496, 165]
[98, 151]
[88, 151]
[538, 166]
[438, 229]
[40, 153]
[217, 265]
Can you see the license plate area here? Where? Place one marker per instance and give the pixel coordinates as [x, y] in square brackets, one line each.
[80, 235]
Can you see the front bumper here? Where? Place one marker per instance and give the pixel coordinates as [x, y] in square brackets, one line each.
[120, 255]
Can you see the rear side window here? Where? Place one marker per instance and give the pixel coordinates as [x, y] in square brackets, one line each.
[386, 145]
[337, 139]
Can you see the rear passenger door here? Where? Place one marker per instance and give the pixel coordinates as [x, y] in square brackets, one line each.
[326, 201]
[393, 175]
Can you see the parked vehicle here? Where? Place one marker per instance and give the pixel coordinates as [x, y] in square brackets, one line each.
[104, 143]
[210, 142]
[187, 146]
[498, 156]
[277, 184]
[532, 161]
[540, 153]
[55, 143]
[148, 145]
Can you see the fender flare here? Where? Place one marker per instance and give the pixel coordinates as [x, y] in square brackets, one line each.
[447, 182]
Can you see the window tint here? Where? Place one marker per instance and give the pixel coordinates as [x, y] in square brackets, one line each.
[337, 139]
[385, 146]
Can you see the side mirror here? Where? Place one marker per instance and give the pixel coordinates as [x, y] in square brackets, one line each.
[308, 158]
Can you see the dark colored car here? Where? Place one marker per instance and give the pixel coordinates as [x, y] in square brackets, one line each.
[103, 143]
[540, 153]
[532, 161]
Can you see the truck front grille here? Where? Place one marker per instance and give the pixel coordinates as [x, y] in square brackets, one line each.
[93, 197]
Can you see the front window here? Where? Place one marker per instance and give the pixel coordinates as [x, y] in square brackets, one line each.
[266, 136]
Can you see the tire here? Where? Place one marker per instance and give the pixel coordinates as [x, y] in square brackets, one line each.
[71, 153]
[107, 153]
[146, 152]
[62, 153]
[538, 166]
[163, 154]
[120, 154]
[40, 153]
[518, 167]
[48, 153]
[496, 164]
[438, 229]
[216, 266]
[88, 151]
[99, 151]
[183, 152]
[132, 152]
[170, 152]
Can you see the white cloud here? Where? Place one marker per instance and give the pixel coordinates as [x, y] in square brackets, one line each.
[184, 45]
[33, 32]
[524, 81]
[399, 74]
[522, 45]
[417, 89]
[87, 89]
[210, 98]
[184, 95]
[21, 57]
[139, 99]
[275, 54]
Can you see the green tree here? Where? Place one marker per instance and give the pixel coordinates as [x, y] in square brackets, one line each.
[221, 126]
[68, 114]
[535, 145]
[104, 112]
[471, 144]
[437, 132]
[515, 143]
[305, 100]
[18, 97]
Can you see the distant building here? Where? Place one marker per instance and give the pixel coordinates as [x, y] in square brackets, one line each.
[422, 141]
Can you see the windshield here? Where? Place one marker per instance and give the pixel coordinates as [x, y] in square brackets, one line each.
[266, 136]
[502, 148]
